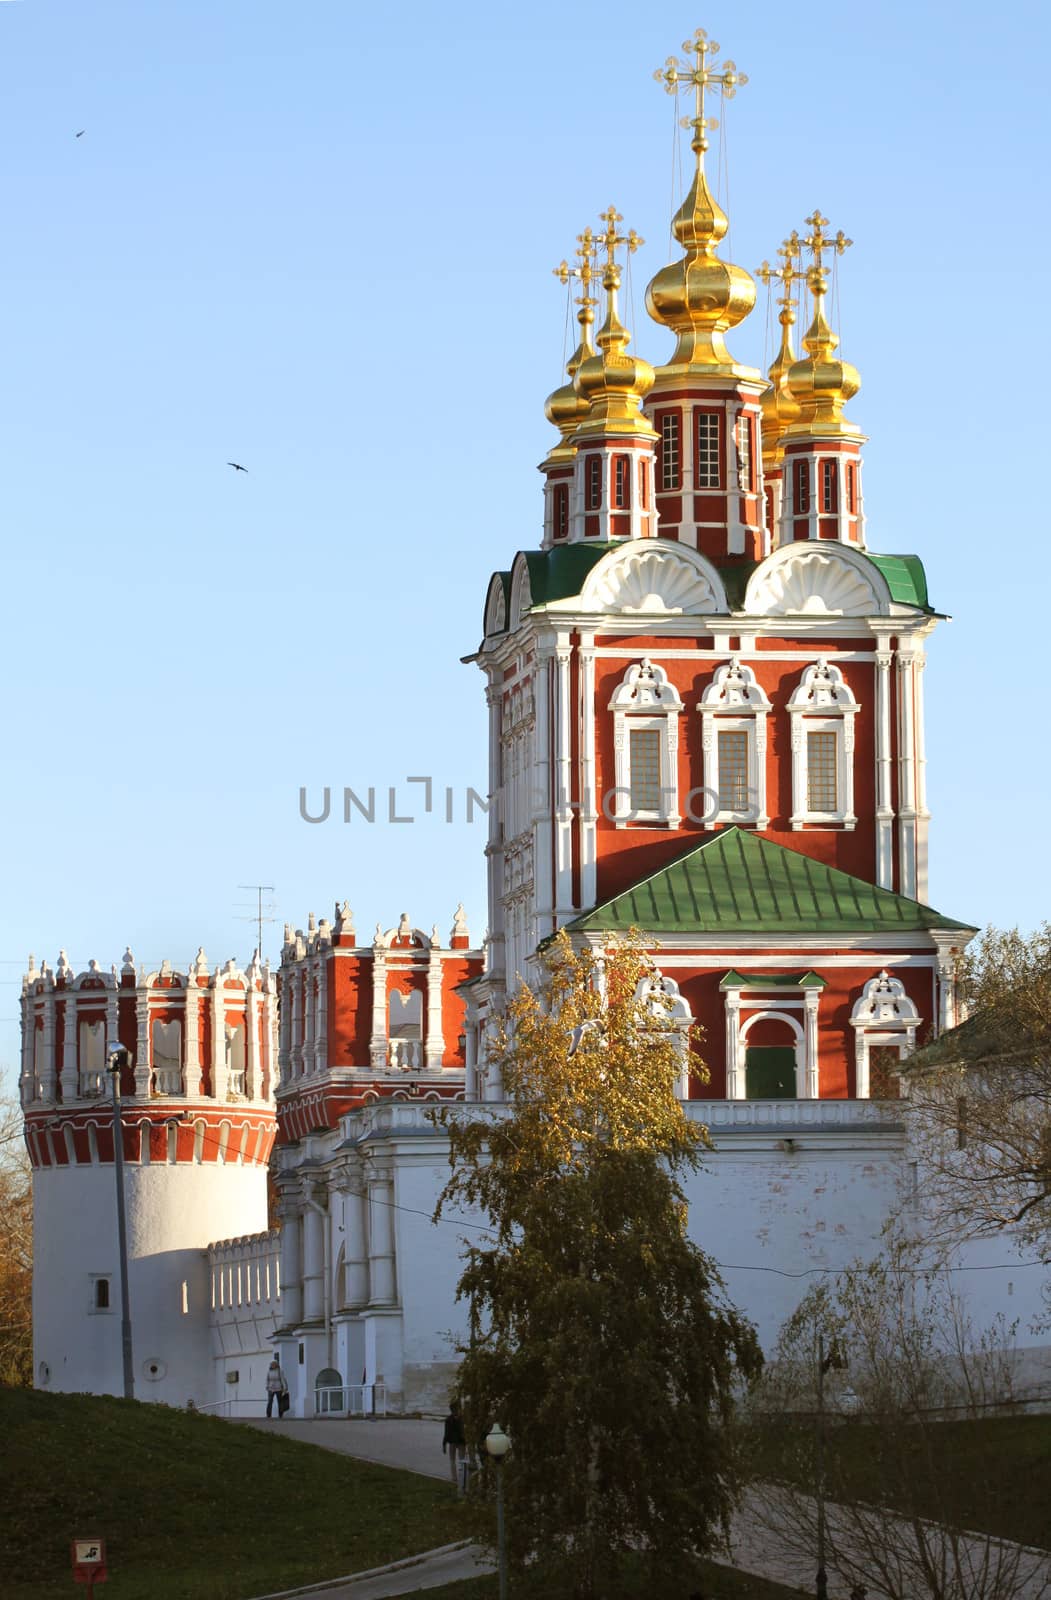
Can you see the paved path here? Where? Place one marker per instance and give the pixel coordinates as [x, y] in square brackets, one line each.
[414, 1446]
[764, 1544]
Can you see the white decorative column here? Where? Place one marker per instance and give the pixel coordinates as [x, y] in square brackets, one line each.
[434, 1038]
[70, 1086]
[735, 1081]
[906, 774]
[884, 796]
[588, 774]
[470, 1070]
[381, 1238]
[309, 1014]
[220, 1080]
[268, 1037]
[291, 1263]
[564, 906]
[356, 1250]
[191, 1042]
[861, 1066]
[542, 806]
[687, 446]
[286, 990]
[253, 1088]
[142, 1039]
[378, 1039]
[922, 814]
[321, 1016]
[497, 833]
[811, 1064]
[47, 1076]
[313, 1264]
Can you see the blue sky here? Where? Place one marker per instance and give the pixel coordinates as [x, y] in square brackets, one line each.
[318, 239]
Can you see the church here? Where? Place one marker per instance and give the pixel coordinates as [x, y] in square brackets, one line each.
[705, 723]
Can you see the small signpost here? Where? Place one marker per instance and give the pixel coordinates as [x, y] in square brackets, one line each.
[89, 1562]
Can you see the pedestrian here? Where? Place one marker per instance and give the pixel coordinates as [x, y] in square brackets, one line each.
[454, 1443]
[276, 1388]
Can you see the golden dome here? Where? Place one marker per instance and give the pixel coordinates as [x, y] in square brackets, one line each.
[778, 405]
[565, 407]
[819, 382]
[612, 383]
[701, 297]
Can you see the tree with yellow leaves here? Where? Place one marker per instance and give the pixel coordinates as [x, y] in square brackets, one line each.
[600, 1336]
[16, 1251]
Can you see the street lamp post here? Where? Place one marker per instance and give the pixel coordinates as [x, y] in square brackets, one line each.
[116, 1059]
[497, 1445]
[821, 1584]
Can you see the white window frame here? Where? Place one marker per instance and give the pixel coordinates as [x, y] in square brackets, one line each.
[734, 703]
[646, 699]
[883, 1017]
[823, 702]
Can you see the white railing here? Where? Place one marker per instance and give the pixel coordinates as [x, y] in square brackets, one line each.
[167, 1080]
[351, 1400]
[228, 1408]
[776, 1115]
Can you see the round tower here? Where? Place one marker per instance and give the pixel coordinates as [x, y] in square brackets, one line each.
[196, 1069]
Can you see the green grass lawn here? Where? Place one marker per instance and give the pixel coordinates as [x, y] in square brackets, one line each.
[992, 1474]
[714, 1583]
[192, 1508]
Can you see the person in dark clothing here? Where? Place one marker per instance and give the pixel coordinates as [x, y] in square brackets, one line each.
[454, 1442]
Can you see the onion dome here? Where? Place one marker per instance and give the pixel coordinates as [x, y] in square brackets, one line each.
[701, 297]
[612, 383]
[778, 405]
[565, 407]
[819, 382]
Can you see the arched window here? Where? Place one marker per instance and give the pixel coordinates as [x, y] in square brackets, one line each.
[561, 519]
[646, 709]
[883, 1017]
[405, 1030]
[733, 717]
[822, 711]
[663, 997]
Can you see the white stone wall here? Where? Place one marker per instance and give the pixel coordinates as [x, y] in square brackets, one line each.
[244, 1287]
[172, 1212]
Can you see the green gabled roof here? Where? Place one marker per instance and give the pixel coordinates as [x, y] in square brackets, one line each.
[772, 980]
[740, 882]
[905, 578]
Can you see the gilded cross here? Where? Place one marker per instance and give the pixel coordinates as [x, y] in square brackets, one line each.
[788, 274]
[611, 240]
[818, 241]
[702, 74]
[587, 250]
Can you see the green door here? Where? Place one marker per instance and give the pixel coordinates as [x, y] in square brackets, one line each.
[770, 1073]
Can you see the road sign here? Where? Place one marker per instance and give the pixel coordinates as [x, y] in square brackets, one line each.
[89, 1561]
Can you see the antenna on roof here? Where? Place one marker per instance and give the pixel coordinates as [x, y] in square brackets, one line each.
[262, 913]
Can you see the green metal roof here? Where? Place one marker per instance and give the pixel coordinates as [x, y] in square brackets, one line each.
[905, 578]
[740, 882]
[560, 573]
[772, 980]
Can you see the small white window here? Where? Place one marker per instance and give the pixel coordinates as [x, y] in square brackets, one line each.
[733, 711]
[822, 709]
[670, 450]
[646, 709]
[744, 455]
[709, 475]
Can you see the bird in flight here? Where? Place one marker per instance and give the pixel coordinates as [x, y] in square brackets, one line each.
[236, 466]
[81, 134]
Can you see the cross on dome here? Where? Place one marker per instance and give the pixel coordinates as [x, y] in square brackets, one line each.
[702, 75]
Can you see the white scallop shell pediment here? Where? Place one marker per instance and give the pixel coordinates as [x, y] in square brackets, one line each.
[642, 582]
[814, 583]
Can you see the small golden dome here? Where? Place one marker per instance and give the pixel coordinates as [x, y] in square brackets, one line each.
[565, 407]
[819, 382]
[778, 405]
[612, 383]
